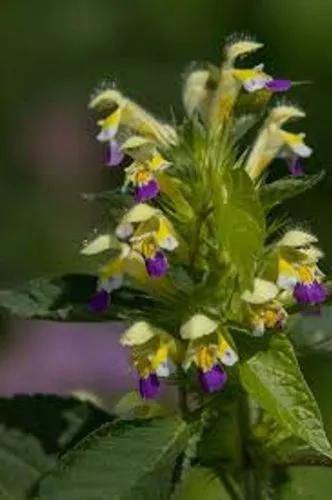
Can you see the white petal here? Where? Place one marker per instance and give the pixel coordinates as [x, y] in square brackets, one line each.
[229, 357]
[100, 244]
[287, 282]
[198, 326]
[163, 370]
[169, 243]
[259, 329]
[254, 84]
[124, 231]
[107, 134]
[110, 284]
[302, 150]
[139, 213]
[138, 334]
[297, 238]
[263, 291]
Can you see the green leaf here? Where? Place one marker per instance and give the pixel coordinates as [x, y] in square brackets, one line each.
[221, 441]
[56, 422]
[277, 192]
[131, 406]
[273, 378]
[307, 483]
[201, 483]
[240, 223]
[312, 334]
[66, 298]
[124, 461]
[275, 445]
[22, 463]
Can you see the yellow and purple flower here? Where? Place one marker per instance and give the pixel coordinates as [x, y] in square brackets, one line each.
[141, 175]
[127, 120]
[108, 129]
[273, 141]
[208, 350]
[153, 352]
[256, 79]
[265, 310]
[298, 268]
[150, 234]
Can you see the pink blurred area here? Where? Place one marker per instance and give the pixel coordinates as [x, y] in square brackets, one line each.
[62, 358]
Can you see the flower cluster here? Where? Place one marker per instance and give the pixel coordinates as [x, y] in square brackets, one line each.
[172, 222]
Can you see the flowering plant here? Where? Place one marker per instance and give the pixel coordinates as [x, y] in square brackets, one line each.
[207, 278]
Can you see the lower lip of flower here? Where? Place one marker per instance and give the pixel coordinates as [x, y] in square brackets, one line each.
[295, 166]
[212, 380]
[100, 301]
[157, 266]
[278, 85]
[149, 386]
[147, 191]
[310, 293]
[114, 155]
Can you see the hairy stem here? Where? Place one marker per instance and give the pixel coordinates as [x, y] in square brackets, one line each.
[250, 479]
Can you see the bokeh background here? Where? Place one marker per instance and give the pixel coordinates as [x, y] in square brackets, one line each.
[53, 54]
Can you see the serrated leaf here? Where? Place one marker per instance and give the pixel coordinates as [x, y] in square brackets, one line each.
[124, 461]
[277, 192]
[201, 483]
[240, 224]
[66, 298]
[274, 380]
[22, 463]
[276, 445]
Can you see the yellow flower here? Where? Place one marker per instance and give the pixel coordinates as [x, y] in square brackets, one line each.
[270, 316]
[265, 311]
[207, 344]
[298, 259]
[273, 141]
[153, 349]
[132, 116]
[230, 83]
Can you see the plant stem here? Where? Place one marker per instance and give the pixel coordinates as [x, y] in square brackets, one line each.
[251, 483]
[183, 401]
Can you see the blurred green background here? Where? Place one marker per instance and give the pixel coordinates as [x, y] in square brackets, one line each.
[54, 53]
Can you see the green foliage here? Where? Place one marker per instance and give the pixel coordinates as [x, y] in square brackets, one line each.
[312, 334]
[307, 483]
[124, 460]
[56, 422]
[277, 192]
[131, 406]
[201, 483]
[210, 218]
[22, 463]
[275, 382]
[240, 224]
[66, 298]
[221, 442]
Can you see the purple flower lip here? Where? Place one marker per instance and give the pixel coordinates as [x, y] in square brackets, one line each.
[212, 380]
[311, 293]
[295, 166]
[278, 85]
[114, 155]
[149, 386]
[147, 191]
[157, 266]
[100, 301]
